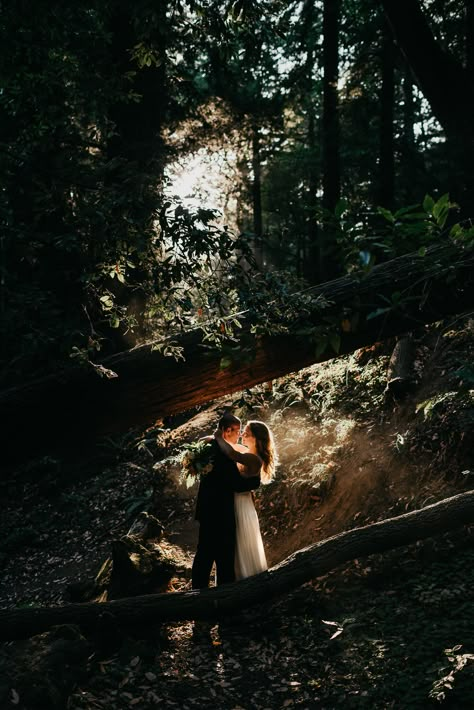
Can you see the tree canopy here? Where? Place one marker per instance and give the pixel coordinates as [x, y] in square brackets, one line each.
[343, 148]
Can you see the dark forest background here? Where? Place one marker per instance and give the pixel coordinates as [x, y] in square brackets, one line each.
[352, 123]
[331, 297]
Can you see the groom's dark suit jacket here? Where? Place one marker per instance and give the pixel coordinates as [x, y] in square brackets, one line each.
[215, 499]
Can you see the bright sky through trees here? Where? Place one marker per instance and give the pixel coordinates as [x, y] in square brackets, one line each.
[204, 179]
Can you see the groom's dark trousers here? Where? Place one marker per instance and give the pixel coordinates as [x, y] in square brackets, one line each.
[215, 513]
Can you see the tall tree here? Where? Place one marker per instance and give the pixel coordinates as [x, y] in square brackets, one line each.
[359, 107]
[309, 31]
[446, 83]
[330, 131]
[257, 192]
[386, 179]
[244, 72]
[469, 39]
[408, 150]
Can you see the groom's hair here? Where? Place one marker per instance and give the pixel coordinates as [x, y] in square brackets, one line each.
[228, 420]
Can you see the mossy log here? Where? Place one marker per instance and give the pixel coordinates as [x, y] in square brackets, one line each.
[138, 568]
[147, 386]
[302, 566]
[139, 564]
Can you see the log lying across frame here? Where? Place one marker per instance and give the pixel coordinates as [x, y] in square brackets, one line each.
[302, 566]
[77, 406]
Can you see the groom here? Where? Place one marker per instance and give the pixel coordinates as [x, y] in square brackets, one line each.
[215, 511]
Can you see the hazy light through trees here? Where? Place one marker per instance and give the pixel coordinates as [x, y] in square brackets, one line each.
[205, 179]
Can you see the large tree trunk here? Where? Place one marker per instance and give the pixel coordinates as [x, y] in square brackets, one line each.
[257, 194]
[401, 376]
[410, 160]
[442, 78]
[446, 84]
[75, 407]
[330, 134]
[469, 41]
[302, 566]
[386, 187]
[135, 147]
[308, 266]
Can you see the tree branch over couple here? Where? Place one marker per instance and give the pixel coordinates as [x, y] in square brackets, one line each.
[229, 531]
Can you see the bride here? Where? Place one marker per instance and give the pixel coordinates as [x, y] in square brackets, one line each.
[257, 457]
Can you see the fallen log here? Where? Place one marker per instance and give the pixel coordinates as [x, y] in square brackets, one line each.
[302, 566]
[75, 407]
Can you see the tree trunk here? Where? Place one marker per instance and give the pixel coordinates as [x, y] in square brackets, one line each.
[411, 162]
[69, 410]
[401, 368]
[135, 148]
[257, 195]
[309, 266]
[330, 133]
[302, 566]
[446, 84]
[443, 79]
[386, 190]
[469, 41]
[137, 136]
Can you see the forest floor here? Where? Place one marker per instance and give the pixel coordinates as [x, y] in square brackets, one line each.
[394, 630]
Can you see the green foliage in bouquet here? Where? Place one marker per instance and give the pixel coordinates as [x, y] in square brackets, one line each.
[196, 460]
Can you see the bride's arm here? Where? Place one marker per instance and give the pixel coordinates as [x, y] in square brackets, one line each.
[240, 447]
[251, 462]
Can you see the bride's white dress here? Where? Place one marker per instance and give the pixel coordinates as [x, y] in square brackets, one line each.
[249, 553]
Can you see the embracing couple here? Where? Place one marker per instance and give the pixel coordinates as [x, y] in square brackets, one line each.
[229, 532]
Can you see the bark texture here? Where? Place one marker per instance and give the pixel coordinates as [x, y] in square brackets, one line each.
[386, 188]
[401, 368]
[139, 562]
[442, 78]
[331, 177]
[73, 408]
[446, 84]
[306, 564]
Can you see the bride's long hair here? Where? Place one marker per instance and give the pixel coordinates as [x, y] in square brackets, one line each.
[265, 446]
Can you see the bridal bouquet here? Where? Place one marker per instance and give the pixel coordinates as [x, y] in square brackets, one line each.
[196, 461]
